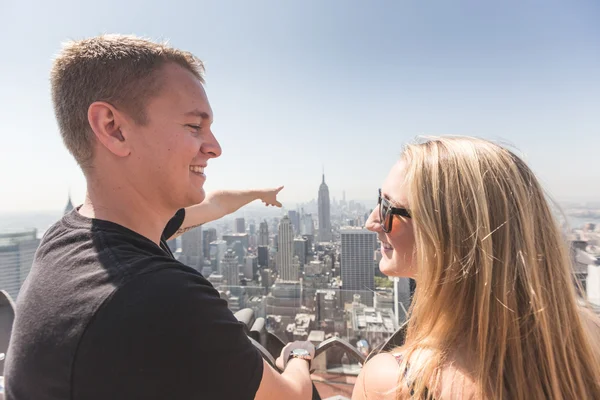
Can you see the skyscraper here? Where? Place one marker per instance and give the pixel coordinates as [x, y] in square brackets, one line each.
[295, 270]
[17, 250]
[191, 249]
[239, 250]
[295, 218]
[251, 267]
[240, 225]
[285, 253]
[300, 250]
[218, 248]
[209, 235]
[307, 225]
[263, 256]
[357, 264]
[253, 235]
[231, 271]
[69, 206]
[263, 234]
[325, 234]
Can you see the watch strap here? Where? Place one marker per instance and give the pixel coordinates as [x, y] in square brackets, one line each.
[307, 358]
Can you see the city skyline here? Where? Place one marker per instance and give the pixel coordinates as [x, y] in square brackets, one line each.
[300, 287]
[348, 92]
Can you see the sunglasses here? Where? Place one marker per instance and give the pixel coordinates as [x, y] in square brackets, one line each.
[386, 211]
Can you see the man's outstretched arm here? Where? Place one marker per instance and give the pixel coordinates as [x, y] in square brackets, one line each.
[221, 203]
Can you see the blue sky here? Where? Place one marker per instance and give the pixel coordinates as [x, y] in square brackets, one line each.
[296, 85]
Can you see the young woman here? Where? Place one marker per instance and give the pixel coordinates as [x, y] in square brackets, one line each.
[495, 313]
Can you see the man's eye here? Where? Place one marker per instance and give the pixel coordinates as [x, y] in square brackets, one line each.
[197, 128]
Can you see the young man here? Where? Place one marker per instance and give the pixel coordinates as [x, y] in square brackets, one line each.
[106, 312]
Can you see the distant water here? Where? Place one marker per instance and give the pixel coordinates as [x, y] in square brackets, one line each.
[40, 220]
[579, 222]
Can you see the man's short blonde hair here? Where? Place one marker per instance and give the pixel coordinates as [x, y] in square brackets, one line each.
[118, 69]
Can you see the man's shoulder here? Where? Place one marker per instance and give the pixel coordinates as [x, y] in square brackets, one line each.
[165, 275]
[170, 289]
[96, 246]
[78, 267]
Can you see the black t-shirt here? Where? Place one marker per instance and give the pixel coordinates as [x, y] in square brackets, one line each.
[107, 314]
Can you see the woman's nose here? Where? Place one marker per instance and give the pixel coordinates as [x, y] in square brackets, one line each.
[373, 223]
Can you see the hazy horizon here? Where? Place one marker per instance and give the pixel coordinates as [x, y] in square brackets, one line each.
[43, 219]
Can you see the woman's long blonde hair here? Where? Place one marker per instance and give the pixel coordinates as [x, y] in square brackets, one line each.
[494, 277]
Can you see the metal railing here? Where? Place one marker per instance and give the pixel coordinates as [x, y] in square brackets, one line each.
[336, 363]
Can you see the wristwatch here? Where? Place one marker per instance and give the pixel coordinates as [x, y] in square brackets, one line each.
[302, 354]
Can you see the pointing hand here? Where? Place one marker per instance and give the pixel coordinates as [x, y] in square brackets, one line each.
[269, 197]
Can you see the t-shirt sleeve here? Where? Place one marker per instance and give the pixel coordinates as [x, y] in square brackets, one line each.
[174, 224]
[166, 335]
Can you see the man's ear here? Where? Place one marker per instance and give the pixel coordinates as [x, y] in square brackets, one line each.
[106, 122]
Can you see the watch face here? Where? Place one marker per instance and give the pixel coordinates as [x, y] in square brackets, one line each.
[300, 352]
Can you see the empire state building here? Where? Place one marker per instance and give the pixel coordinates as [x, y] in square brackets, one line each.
[325, 234]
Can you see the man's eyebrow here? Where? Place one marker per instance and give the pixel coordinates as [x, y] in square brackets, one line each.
[197, 113]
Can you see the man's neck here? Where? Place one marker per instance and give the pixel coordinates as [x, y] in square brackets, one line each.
[123, 205]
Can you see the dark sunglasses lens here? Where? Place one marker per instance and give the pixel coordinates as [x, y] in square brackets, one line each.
[384, 208]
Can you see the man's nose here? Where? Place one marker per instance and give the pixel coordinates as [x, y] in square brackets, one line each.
[373, 223]
[211, 146]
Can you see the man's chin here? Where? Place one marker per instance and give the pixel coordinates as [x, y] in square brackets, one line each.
[199, 196]
[195, 197]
